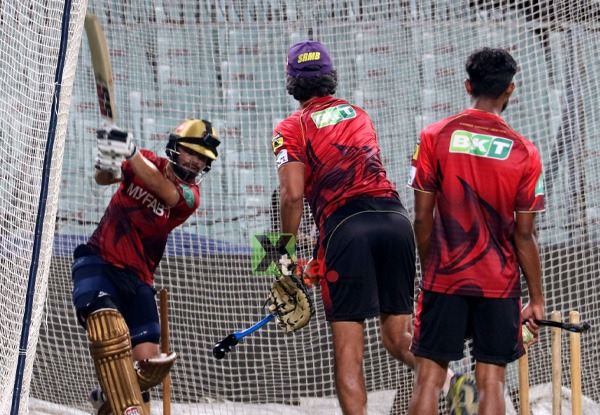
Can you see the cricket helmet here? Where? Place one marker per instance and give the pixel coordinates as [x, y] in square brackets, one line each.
[198, 136]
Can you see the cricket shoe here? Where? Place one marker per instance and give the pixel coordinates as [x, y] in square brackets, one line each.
[97, 398]
[463, 397]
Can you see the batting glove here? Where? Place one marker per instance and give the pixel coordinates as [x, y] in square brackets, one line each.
[111, 164]
[112, 141]
[311, 272]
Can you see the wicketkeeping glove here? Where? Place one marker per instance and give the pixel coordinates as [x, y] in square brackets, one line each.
[112, 141]
[290, 302]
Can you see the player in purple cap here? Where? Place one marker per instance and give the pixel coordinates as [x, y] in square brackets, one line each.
[308, 58]
[327, 152]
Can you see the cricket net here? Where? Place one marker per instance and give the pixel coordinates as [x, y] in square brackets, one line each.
[39, 42]
[403, 61]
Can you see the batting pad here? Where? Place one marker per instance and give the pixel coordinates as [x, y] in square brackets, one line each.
[151, 372]
[105, 408]
[110, 347]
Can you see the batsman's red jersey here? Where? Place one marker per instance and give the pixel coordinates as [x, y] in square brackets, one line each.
[136, 224]
[482, 172]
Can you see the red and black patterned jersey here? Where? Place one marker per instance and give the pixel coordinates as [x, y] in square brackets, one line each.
[337, 143]
[136, 224]
[482, 172]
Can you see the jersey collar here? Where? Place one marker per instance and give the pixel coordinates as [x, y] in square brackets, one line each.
[316, 101]
[484, 114]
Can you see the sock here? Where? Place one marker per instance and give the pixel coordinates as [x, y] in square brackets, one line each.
[446, 387]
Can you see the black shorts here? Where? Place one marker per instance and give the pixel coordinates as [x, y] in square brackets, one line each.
[444, 321]
[369, 261]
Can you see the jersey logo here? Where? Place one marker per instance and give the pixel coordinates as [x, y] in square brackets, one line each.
[416, 153]
[539, 186]
[333, 115]
[480, 145]
[310, 56]
[188, 195]
[147, 199]
[411, 175]
[282, 158]
[276, 142]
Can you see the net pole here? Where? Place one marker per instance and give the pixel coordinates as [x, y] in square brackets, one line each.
[41, 213]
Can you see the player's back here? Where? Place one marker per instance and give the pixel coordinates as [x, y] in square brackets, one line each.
[480, 170]
[478, 154]
[338, 145]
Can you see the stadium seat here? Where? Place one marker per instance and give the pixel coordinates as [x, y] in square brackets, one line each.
[380, 59]
[248, 86]
[184, 72]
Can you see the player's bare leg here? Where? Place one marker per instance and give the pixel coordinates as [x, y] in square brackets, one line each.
[348, 346]
[490, 383]
[429, 380]
[396, 334]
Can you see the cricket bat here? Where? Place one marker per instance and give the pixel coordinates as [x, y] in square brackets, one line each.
[102, 68]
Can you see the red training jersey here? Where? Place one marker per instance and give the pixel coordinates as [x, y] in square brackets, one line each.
[136, 224]
[482, 172]
[337, 143]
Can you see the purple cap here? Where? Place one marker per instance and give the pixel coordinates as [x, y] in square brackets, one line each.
[306, 54]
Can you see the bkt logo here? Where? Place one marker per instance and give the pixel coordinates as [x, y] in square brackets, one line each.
[480, 145]
[333, 115]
